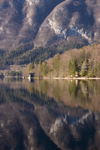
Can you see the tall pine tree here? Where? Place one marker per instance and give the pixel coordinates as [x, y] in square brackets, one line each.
[75, 67]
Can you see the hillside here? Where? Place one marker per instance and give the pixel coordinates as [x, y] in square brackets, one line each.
[43, 23]
[54, 63]
[87, 62]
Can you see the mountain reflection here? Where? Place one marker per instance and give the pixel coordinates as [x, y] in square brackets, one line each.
[50, 115]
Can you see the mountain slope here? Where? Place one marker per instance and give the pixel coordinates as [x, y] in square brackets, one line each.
[45, 22]
[20, 20]
[71, 20]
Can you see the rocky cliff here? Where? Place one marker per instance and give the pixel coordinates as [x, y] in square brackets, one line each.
[44, 22]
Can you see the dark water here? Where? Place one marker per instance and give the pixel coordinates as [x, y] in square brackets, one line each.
[49, 115]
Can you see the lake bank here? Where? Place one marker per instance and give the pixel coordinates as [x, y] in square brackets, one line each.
[67, 78]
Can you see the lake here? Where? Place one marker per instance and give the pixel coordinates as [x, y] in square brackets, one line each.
[49, 114]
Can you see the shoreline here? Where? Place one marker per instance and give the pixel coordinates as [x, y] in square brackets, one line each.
[54, 78]
[75, 78]
[67, 78]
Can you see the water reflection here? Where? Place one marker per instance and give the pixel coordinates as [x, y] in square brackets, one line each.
[13, 79]
[73, 88]
[74, 93]
[50, 115]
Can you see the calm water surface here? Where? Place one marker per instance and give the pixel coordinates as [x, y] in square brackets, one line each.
[49, 115]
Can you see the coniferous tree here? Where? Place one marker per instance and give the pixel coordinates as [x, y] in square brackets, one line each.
[75, 67]
[31, 66]
[69, 67]
[40, 62]
[40, 68]
[83, 68]
[57, 64]
[45, 68]
[82, 55]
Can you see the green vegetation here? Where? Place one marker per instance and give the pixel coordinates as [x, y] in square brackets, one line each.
[31, 66]
[71, 92]
[83, 68]
[72, 63]
[74, 67]
[86, 69]
[22, 54]
[73, 89]
[45, 69]
[57, 64]
[40, 68]
[83, 55]
[44, 92]
[69, 67]
[23, 97]
[14, 73]
[83, 62]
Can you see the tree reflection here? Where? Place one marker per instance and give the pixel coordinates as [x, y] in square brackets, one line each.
[84, 93]
[45, 86]
[73, 88]
[33, 120]
[84, 88]
[31, 88]
[57, 91]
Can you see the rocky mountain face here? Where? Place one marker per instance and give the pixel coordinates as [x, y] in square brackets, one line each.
[45, 22]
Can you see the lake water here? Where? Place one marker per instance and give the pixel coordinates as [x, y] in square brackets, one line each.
[49, 115]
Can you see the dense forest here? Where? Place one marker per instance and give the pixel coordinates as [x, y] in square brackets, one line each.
[56, 61]
[21, 55]
[82, 62]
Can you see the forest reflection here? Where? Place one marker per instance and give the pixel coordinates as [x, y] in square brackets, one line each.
[52, 114]
[84, 93]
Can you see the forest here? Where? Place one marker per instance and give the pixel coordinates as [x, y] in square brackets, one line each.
[82, 62]
[22, 55]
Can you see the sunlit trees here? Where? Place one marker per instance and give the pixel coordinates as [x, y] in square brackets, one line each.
[45, 68]
[82, 55]
[74, 67]
[83, 68]
[31, 66]
[69, 67]
[56, 64]
[40, 68]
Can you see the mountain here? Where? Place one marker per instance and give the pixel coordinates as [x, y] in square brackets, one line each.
[46, 22]
[20, 20]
